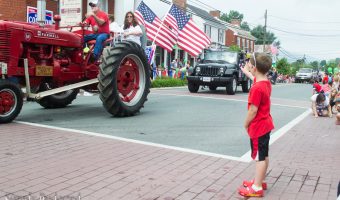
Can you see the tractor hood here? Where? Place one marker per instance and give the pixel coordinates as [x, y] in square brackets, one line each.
[32, 33]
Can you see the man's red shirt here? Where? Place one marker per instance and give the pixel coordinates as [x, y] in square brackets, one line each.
[259, 96]
[105, 28]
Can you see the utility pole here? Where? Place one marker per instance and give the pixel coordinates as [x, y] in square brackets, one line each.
[265, 30]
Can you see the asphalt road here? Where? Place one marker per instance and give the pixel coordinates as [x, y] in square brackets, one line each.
[207, 121]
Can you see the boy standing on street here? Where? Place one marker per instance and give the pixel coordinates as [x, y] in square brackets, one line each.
[258, 123]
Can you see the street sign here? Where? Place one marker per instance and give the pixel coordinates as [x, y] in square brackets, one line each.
[32, 15]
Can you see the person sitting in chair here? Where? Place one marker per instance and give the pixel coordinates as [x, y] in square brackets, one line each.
[132, 30]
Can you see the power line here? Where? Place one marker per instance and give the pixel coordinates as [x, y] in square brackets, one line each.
[199, 5]
[310, 22]
[304, 34]
[208, 6]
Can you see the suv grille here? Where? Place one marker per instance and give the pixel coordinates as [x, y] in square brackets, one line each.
[209, 71]
[5, 37]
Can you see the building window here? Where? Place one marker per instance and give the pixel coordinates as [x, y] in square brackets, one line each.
[207, 30]
[243, 43]
[220, 36]
[251, 46]
[238, 42]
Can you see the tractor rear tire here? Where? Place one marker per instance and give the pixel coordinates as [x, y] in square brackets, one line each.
[11, 101]
[124, 79]
[59, 100]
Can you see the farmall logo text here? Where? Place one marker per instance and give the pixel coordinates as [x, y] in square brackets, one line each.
[47, 34]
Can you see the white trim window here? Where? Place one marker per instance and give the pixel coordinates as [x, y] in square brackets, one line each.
[238, 41]
[243, 43]
[207, 30]
[220, 36]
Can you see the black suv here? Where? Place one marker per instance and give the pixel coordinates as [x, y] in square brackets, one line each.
[219, 69]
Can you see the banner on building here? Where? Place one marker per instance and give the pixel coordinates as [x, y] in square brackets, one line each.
[32, 17]
[70, 12]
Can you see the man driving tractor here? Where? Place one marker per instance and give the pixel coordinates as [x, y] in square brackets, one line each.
[99, 21]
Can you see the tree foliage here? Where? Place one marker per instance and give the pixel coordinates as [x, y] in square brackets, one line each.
[282, 66]
[337, 60]
[245, 26]
[315, 64]
[233, 14]
[235, 48]
[258, 32]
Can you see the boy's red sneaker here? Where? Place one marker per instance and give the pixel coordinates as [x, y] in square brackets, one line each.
[251, 182]
[250, 192]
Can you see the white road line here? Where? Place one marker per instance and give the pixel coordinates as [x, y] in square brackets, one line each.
[133, 141]
[279, 133]
[217, 98]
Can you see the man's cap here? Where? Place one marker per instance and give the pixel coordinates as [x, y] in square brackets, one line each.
[93, 3]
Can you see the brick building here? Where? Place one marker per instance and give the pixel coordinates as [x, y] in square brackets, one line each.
[236, 36]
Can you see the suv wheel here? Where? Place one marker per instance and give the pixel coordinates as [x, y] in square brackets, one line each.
[246, 85]
[232, 86]
[193, 88]
[212, 88]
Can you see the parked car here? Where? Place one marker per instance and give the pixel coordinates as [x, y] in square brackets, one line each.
[219, 69]
[305, 75]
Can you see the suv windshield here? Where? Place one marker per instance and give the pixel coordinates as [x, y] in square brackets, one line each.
[305, 70]
[224, 56]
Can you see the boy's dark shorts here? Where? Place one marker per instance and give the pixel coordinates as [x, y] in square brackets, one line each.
[260, 147]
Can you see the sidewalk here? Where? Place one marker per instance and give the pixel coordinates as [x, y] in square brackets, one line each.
[304, 165]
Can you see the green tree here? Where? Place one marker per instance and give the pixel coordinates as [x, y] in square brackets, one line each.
[235, 48]
[245, 26]
[258, 32]
[282, 66]
[337, 60]
[233, 14]
[323, 63]
[315, 64]
[331, 64]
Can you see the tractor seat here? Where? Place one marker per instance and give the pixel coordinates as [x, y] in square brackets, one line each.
[91, 42]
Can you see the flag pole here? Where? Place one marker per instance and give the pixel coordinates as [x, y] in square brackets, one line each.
[153, 42]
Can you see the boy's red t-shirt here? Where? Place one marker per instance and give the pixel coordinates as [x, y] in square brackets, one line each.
[260, 97]
[317, 87]
[105, 28]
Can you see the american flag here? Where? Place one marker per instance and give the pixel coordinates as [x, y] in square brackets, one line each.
[190, 38]
[166, 38]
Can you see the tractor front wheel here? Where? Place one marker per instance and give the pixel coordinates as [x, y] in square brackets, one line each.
[59, 100]
[11, 101]
[124, 79]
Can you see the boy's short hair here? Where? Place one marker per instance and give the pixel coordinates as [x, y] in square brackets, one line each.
[262, 61]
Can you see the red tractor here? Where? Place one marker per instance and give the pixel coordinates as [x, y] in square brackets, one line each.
[50, 62]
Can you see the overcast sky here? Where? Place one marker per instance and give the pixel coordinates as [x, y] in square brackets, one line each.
[320, 18]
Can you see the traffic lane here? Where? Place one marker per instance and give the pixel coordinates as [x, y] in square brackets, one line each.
[291, 91]
[205, 124]
[300, 99]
